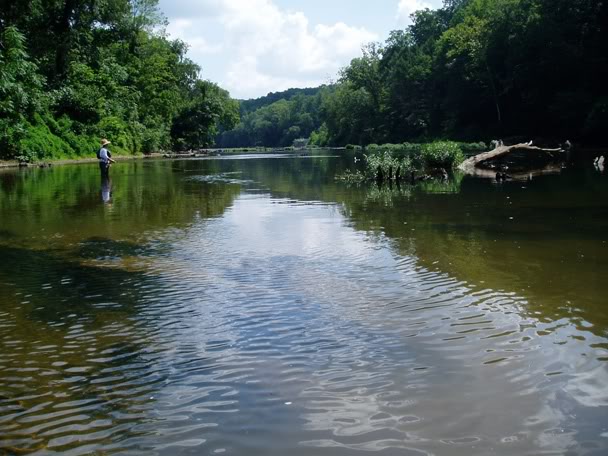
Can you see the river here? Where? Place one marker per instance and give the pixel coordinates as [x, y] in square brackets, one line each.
[255, 306]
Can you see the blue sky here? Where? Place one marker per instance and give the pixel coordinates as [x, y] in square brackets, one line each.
[252, 47]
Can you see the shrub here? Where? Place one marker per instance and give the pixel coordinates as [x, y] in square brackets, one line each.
[117, 131]
[388, 165]
[411, 149]
[401, 150]
[39, 142]
[320, 137]
[79, 143]
[473, 148]
[442, 154]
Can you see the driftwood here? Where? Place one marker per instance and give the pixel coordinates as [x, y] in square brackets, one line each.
[518, 158]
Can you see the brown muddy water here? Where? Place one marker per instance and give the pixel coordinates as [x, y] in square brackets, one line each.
[254, 306]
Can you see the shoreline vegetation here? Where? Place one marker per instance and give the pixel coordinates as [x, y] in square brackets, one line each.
[470, 70]
[389, 162]
[73, 72]
[212, 152]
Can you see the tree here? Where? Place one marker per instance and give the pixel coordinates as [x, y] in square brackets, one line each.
[21, 94]
[468, 42]
[210, 110]
[98, 68]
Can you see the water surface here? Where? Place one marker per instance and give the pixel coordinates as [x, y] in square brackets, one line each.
[257, 307]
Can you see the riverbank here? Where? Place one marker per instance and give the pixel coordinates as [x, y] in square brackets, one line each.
[168, 155]
[468, 150]
[70, 161]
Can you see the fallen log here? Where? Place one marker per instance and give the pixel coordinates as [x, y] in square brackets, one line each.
[519, 157]
[554, 168]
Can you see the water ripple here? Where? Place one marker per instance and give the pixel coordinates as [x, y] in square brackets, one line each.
[250, 336]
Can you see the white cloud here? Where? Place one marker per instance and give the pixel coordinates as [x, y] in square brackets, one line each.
[407, 7]
[264, 47]
[186, 30]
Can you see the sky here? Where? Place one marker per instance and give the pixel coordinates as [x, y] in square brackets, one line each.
[253, 47]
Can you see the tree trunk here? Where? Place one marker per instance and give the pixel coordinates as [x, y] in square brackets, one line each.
[525, 156]
[494, 93]
[63, 30]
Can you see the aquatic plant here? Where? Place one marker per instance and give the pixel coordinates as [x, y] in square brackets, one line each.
[387, 166]
[473, 148]
[442, 154]
[389, 162]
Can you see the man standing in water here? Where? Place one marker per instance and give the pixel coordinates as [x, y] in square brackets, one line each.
[105, 158]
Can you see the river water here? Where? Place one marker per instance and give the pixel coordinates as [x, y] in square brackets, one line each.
[254, 306]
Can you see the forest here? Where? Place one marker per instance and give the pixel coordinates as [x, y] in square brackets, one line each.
[73, 71]
[472, 70]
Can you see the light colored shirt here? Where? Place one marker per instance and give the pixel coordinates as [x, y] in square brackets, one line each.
[103, 155]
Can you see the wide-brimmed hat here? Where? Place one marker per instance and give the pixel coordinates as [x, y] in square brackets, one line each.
[105, 142]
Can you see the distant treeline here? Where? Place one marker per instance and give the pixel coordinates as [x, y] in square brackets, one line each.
[278, 119]
[248, 106]
[472, 70]
[74, 71]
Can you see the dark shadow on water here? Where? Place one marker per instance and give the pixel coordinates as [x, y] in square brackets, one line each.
[53, 290]
[545, 240]
[80, 326]
[7, 234]
[99, 248]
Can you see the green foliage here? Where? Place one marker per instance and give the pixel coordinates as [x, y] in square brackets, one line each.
[385, 165]
[21, 92]
[209, 110]
[117, 129]
[47, 138]
[403, 150]
[248, 106]
[38, 142]
[278, 124]
[78, 145]
[100, 69]
[153, 139]
[473, 148]
[401, 161]
[474, 69]
[320, 137]
[442, 154]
